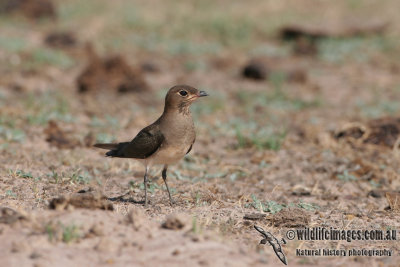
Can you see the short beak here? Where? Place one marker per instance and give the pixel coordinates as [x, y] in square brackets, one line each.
[202, 93]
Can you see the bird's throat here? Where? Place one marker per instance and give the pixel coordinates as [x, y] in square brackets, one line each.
[184, 108]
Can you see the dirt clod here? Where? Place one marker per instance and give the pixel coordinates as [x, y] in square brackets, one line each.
[300, 190]
[262, 68]
[59, 138]
[96, 230]
[9, 215]
[110, 73]
[60, 39]
[382, 131]
[176, 222]
[291, 218]
[254, 216]
[35, 255]
[34, 9]
[376, 193]
[332, 29]
[255, 70]
[84, 200]
[351, 130]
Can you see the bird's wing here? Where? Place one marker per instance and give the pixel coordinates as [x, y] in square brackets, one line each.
[146, 142]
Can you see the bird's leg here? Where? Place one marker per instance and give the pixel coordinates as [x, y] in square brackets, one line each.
[145, 187]
[164, 176]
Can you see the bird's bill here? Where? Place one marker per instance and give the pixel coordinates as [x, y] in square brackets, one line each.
[202, 93]
[196, 96]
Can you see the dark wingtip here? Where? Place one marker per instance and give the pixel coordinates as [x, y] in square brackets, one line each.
[110, 153]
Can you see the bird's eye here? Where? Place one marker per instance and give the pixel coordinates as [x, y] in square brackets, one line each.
[183, 93]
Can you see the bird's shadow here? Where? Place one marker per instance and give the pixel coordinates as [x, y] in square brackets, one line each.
[125, 200]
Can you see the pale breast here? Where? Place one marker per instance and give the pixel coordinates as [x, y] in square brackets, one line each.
[179, 135]
[169, 154]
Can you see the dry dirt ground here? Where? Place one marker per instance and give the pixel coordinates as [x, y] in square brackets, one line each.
[311, 139]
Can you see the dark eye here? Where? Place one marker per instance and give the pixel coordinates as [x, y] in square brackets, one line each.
[183, 93]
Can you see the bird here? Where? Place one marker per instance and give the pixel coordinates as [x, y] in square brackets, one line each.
[167, 140]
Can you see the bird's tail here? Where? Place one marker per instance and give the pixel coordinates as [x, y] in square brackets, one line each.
[107, 146]
[116, 150]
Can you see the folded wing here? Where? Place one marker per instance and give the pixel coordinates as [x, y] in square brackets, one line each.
[145, 144]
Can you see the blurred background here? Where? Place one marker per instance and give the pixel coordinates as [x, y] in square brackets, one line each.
[303, 107]
[267, 64]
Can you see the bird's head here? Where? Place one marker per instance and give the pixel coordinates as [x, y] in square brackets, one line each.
[181, 96]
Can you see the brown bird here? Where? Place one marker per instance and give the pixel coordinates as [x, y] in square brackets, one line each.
[167, 140]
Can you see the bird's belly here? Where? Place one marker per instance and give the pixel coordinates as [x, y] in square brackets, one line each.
[169, 155]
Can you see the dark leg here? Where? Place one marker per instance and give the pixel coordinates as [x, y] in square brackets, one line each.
[145, 187]
[164, 176]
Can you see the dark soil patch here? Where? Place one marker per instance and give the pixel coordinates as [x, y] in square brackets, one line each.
[332, 30]
[254, 216]
[383, 132]
[110, 73]
[34, 9]
[263, 68]
[255, 70]
[59, 138]
[83, 199]
[60, 39]
[10, 216]
[175, 222]
[291, 218]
